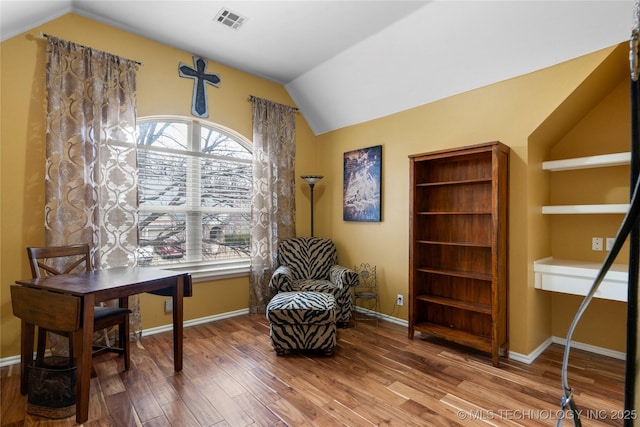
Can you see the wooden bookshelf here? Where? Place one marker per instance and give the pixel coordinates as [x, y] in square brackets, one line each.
[458, 246]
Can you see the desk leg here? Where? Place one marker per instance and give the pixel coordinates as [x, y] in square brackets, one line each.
[123, 336]
[84, 352]
[26, 354]
[178, 292]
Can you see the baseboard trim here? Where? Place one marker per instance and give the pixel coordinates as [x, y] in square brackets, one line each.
[591, 348]
[529, 358]
[193, 322]
[11, 360]
[519, 357]
[379, 315]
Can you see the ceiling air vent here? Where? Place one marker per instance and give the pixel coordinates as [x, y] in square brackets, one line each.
[230, 19]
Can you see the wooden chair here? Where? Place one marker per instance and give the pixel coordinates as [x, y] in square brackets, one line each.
[54, 260]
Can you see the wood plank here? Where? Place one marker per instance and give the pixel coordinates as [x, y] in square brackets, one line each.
[121, 410]
[377, 376]
[143, 401]
[194, 396]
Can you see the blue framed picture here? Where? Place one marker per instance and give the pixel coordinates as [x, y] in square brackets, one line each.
[361, 200]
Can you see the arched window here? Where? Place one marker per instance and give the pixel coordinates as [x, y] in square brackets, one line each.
[194, 196]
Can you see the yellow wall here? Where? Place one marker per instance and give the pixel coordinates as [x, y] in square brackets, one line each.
[605, 129]
[160, 91]
[510, 112]
[598, 107]
[516, 112]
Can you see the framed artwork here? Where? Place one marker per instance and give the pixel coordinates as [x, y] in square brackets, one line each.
[361, 200]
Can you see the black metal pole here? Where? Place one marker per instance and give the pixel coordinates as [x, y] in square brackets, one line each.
[311, 180]
[634, 239]
[311, 187]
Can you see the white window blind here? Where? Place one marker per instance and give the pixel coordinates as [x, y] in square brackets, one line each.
[194, 197]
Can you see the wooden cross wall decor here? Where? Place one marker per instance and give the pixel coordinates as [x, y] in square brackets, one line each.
[199, 107]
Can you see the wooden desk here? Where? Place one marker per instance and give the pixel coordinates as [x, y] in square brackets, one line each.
[98, 286]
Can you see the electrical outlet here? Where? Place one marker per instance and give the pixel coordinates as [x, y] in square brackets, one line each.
[400, 300]
[609, 243]
[168, 306]
[596, 243]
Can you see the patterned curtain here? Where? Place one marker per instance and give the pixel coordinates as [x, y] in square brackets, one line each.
[91, 174]
[273, 209]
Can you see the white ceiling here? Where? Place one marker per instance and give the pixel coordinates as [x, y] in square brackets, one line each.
[346, 62]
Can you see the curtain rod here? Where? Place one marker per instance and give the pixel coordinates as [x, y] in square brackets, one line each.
[253, 98]
[87, 47]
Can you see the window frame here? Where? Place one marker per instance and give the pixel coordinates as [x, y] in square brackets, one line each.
[199, 270]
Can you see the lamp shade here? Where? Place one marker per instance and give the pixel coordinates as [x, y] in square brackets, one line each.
[312, 179]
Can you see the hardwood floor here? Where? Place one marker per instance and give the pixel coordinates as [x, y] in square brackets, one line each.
[377, 376]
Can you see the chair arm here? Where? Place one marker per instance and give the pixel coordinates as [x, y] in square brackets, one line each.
[282, 279]
[343, 277]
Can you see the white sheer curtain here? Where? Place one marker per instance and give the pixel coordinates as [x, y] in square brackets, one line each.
[273, 205]
[91, 175]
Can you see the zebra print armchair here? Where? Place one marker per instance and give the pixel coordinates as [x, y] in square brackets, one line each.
[311, 264]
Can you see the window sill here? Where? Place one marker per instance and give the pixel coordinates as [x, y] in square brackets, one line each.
[202, 273]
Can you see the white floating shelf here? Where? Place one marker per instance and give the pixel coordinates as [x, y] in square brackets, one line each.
[603, 160]
[576, 278]
[587, 209]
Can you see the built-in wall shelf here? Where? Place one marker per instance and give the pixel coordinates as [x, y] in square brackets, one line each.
[599, 161]
[589, 162]
[586, 209]
[576, 277]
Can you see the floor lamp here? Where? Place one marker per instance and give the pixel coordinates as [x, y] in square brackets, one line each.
[311, 180]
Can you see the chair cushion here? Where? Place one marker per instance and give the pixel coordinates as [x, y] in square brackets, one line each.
[301, 308]
[308, 257]
[315, 285]
[104, 312]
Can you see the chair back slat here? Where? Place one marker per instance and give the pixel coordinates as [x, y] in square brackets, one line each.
[54, 260]
[49, 310]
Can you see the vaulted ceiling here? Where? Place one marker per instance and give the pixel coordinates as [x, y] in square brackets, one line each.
[346, 62]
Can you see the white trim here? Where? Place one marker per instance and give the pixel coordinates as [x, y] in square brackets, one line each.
[602, 160]
[11, 360]
[193, 322]
[576, 277]
[519, 357]
[531, 357]
[383, 316]
[587, 209]
[591, 348]
[211, 272]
